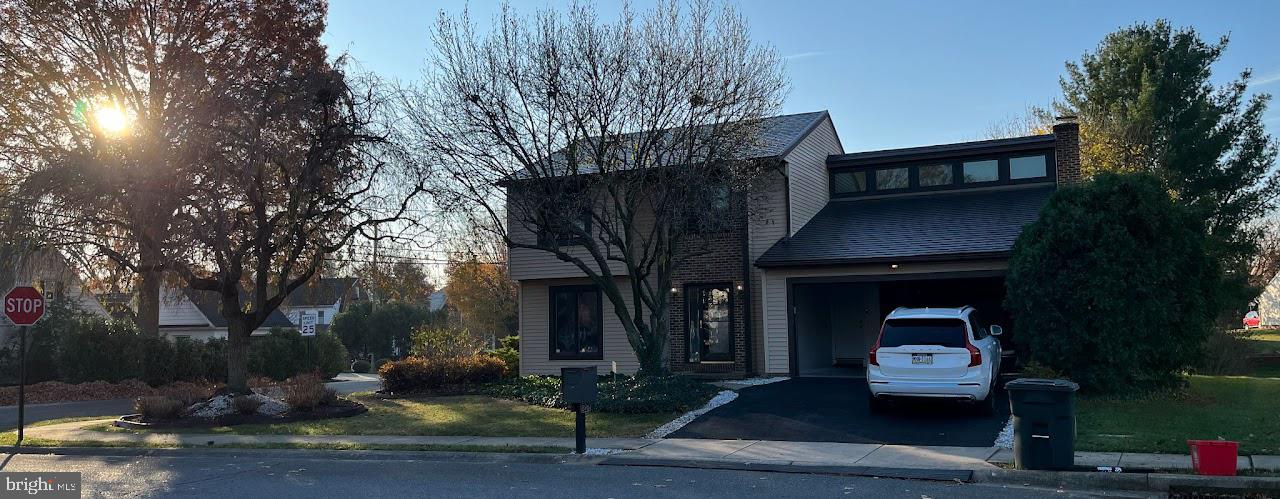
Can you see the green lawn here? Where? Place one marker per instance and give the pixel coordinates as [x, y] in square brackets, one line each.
[1243, 409]
[1268, 342]
[464, 415]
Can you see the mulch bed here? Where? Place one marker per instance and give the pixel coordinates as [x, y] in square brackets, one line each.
[343, 409]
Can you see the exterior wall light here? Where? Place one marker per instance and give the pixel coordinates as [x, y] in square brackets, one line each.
[893, 266]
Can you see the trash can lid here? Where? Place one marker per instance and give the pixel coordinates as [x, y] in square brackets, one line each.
[1051, 385]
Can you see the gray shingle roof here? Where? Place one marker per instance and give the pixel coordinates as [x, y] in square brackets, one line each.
[322, 291]
[210, 305]
[778, 136]
[921, 227]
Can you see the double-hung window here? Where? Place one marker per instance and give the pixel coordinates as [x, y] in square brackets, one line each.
[576, 331]
[560, 230]
[709, 322]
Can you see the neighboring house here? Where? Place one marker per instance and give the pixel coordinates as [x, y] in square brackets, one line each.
[322, 298]
[188, 313]
[48, 271]
[835, 242]
[1269, 304]
[436, 301]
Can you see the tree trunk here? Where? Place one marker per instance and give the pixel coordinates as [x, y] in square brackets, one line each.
[149, 299]
[237, 357]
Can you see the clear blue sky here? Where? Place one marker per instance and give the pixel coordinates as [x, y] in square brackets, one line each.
[892, 73]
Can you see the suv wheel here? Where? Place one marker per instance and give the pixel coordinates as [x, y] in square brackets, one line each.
[987, 406]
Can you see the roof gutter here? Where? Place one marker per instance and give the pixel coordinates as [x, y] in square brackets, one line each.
[946, 257]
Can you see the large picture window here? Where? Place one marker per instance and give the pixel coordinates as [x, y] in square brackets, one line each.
[576, 330]
[709, 322]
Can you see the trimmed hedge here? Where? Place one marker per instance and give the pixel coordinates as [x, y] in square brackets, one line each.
[419, 375]
[285, 353]
[75, 347]
[628, 394]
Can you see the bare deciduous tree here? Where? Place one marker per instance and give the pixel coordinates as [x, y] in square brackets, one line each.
[299, 166]
[1266, 262]
[611, 146]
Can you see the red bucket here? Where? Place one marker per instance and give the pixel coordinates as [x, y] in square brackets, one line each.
[1213, 457]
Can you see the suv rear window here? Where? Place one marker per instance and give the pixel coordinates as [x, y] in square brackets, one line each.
[941, 332]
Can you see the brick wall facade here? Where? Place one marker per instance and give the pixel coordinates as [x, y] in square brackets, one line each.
[1066, 150]
[715, 258]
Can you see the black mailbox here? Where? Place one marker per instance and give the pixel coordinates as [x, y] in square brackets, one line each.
[578, 385]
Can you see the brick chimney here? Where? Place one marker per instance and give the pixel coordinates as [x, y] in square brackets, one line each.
[1066, 149]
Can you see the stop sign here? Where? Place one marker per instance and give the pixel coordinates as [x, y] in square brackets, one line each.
[23, 305]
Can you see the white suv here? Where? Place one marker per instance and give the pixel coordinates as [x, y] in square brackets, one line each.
[935, 353]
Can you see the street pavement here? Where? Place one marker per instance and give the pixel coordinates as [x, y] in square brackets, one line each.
[344, 384]
[348, 383]
[311, 475]
[43, 412]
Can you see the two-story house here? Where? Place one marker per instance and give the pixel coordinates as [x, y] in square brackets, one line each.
[834, 243]
[322, 298]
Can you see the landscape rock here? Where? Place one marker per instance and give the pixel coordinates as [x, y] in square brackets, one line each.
[223, 405]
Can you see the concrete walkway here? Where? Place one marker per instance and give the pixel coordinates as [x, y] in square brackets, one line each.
[737, 451]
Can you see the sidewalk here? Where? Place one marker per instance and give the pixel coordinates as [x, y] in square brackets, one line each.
[729, 451]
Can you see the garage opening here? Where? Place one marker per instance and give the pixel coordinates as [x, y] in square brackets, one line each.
[835, 323]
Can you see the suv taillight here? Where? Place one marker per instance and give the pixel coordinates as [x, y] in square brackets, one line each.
[871, 354]
[975, 355]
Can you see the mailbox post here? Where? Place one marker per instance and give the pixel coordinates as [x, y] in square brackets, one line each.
[578, 388]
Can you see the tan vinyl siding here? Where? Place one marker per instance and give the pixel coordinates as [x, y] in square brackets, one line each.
[526, 263]
[765, 226]
[774, 289]
[807, 173]
[535, 335]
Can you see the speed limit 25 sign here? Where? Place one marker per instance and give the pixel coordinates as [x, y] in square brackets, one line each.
[23, 305]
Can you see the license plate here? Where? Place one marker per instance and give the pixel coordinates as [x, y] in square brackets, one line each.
[922, 358]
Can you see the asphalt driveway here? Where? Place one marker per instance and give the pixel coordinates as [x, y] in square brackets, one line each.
[835, 410]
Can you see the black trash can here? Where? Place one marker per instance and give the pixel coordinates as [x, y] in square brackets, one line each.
[1044, 423]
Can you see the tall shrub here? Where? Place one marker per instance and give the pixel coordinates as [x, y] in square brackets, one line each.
[382, 330]
[444, 342]
[1112, 285]
[285, 353]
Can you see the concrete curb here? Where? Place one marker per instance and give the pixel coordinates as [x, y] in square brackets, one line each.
[330, 454]
[1150, 482]
[942, 475]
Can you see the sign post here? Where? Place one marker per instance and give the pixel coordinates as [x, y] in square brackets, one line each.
[23, 305]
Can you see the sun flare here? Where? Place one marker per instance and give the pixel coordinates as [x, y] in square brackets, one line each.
[111, 119]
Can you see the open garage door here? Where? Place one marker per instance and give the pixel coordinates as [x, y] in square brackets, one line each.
[834, 323]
